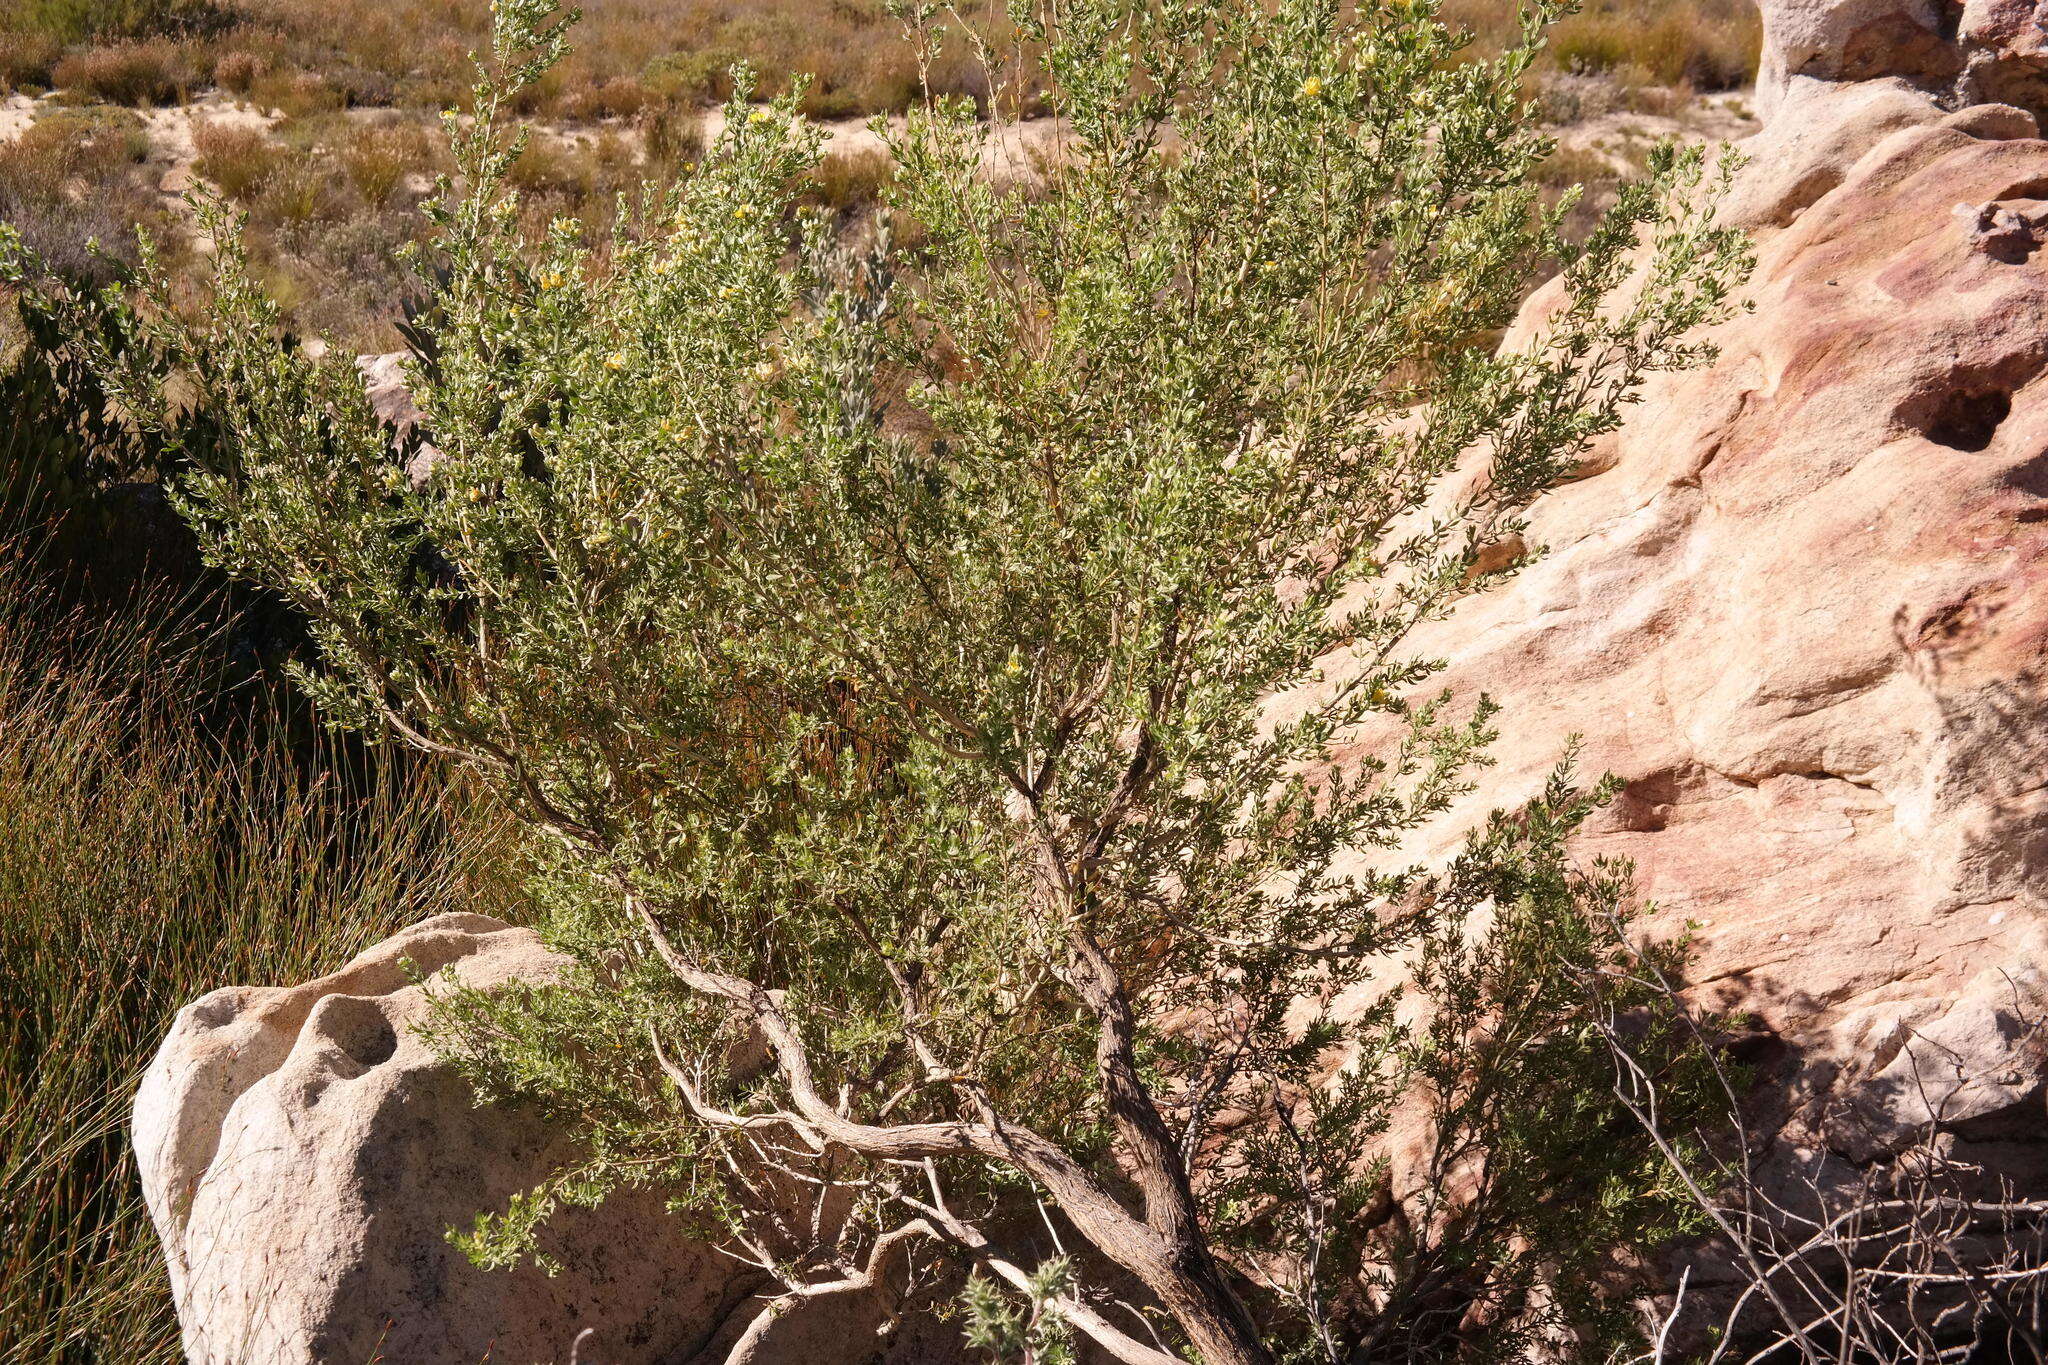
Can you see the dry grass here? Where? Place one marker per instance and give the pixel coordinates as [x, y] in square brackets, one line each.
[849, 182]
[295, 94]
[1689, 44]
[1702, 45]
[26, 60]
[332, 194]
[378, 158]
[630, 54]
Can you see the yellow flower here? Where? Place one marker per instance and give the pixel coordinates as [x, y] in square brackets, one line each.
[743, 211]
[728, 292]
[1015, 664]
[476, 495]
[1312, 87]
[663, 267]
[758, 116]
[615, 361]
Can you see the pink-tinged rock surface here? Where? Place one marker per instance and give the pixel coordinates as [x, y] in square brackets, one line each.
[1801, 606]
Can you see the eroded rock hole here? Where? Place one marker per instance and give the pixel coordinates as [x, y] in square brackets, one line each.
[1969, 418]
[358, 1028]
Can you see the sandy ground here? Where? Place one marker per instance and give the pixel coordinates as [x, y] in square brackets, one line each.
[1622, 135]
[17, 112]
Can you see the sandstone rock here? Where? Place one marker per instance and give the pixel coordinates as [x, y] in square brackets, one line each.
[302, 1152]
[1822, 131]
[390, 394]
[1992, 51]
[1800, 605]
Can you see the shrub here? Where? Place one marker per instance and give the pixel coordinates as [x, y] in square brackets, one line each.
[91, 142]
[299, 190]
[884, 648]
[149, 71]
[26, 59]
[294, 94]
[71, 186]
[378, 157]
[554, 166]
[73, 21]
[691, 77]
[851, 180]
[238, 159]
[619, 97]
[673, 136]
[238, 71]
[1589, 45]
[1568, 166]
[1705, 44]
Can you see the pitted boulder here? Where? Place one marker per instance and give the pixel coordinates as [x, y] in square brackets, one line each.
[303, 1152]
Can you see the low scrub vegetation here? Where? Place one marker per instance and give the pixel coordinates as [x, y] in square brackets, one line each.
[76, 187]
[636, 55]
[143, 71]
[1698, 44]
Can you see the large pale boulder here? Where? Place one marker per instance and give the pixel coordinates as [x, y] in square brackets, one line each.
[303, 1152]
[1799, 603]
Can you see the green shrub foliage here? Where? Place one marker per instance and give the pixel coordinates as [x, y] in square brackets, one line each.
[913, 653]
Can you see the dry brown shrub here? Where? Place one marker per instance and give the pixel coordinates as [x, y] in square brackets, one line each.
[551, 167]
[238, 71]
[1701, 44]
[619, 97]
[91, 142]
[152, 71]
[378, 157]
[75, 186]
[850, 181]
[236, 159]
[26, 60]
[294, 94]
[1569, 166]
[673, 136]
[300, 190]
[674, 50]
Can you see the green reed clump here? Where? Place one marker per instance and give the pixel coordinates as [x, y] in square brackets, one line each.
[150, 852]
